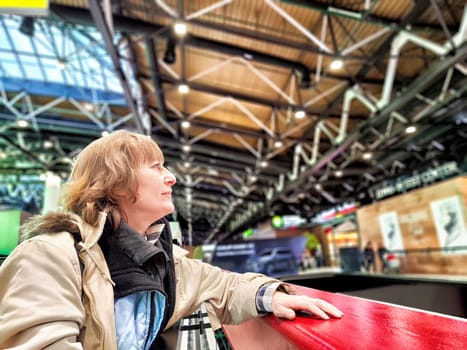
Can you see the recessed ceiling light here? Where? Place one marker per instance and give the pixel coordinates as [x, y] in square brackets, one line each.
[336, 64]
[183, 89]
[300, 113]
[248, 56]
[185, 124]
[47, 144]
[22, 123]
[410, 129]
[367, 155]
[180, 28]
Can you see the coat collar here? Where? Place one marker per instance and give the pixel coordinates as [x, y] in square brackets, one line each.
[137, 247]
[90, 234]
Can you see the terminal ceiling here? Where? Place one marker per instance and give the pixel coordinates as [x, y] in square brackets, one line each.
[249, 66]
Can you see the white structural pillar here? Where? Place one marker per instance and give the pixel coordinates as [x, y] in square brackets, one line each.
[51, 192]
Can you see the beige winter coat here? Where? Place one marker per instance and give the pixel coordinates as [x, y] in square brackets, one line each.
[46, 301]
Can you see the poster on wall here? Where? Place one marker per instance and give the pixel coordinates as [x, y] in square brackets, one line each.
[449, 222]
[390, 229]
[273, 257]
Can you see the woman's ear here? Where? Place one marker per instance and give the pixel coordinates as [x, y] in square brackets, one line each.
[121, 195]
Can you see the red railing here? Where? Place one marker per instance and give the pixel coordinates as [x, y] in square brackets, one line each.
[367, 324]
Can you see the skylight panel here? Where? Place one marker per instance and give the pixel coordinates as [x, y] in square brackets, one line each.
[12, 70]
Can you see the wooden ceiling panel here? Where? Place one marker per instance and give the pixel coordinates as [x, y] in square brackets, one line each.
[391, 9]
[323, 93]
[413, 60]
[222, 138]
[451, 13]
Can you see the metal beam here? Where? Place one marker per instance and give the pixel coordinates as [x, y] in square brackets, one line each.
[156, 77]
[101, 24]
[26, 152]
[348, 12]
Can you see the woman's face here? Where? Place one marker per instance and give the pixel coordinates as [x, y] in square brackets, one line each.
[153, 196]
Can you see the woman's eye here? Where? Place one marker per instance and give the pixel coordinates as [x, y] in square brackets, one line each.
[158, 166]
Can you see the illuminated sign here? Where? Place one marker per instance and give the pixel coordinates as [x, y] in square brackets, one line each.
[337, 212]
[287, 221]
[402, 185]
[248, 233]
[277, 221]
[25, 7]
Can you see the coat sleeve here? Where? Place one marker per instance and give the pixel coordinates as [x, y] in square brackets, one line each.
[40, 297]
[232, 296]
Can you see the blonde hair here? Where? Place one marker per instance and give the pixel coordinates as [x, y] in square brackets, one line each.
[103, 170]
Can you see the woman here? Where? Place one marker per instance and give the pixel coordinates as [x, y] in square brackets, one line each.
[129, 283]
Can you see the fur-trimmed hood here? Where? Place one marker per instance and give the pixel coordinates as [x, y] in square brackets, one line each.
[52, 222]
[55, 222]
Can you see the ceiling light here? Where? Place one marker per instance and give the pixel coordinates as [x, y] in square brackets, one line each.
[186, 164]
[410, 129]
[88, 106]
[248, 56]
[22, 123]
[183, 88]
[336, 64]
[180, 28]
[186, 148]
[185, 124]
[105, 133]
[263, 164]
[27, 26]
[338, 173]
[47, 144]
[367, 155]
[278, 143]
[305, 81]
[169, 55]
[300, 113]
[2, 155]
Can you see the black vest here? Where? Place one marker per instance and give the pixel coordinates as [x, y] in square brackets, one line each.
[137, 265]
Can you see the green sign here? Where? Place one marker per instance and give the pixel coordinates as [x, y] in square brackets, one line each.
[9, 222]
[277, 221]
[247, 233]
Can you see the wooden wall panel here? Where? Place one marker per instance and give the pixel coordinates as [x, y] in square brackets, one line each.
[417, 226]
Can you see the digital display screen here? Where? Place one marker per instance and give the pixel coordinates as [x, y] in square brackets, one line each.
[9, 230]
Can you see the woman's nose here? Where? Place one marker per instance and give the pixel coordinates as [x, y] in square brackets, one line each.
[170, 178]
